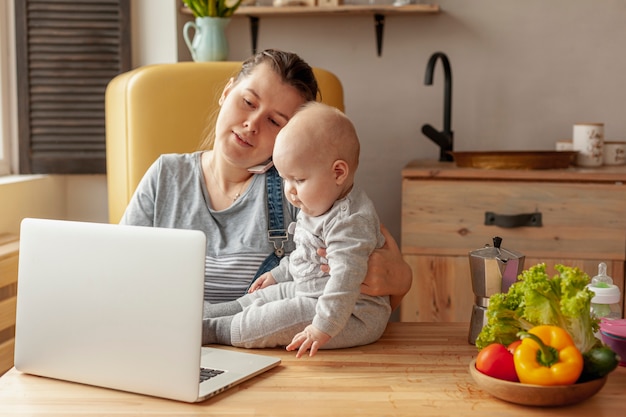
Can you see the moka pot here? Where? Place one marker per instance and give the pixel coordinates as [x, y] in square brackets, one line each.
[493, 270]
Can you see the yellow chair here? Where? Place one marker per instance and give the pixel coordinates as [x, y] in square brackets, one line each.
[166, 108]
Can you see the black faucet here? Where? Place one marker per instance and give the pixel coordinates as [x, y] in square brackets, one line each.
[445, 138]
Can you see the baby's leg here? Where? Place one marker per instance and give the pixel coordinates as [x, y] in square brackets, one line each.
[366, 324]
[216, 330]
[229, 308]
[271, 324]
[216, 326]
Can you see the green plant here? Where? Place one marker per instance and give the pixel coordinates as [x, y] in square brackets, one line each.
[212, 8]
[535, 299]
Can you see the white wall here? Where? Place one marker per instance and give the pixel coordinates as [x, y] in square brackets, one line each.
[523, 73]
[154, 31]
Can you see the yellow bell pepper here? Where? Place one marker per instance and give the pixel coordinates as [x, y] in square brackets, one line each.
[547, 356]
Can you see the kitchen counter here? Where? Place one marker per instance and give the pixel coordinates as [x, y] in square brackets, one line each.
[415, 369]
[448, 170]
[448, 211]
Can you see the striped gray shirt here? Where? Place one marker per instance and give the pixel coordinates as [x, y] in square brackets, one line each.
[173, 194]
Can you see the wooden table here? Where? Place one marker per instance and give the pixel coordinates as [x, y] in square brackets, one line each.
[415, 369]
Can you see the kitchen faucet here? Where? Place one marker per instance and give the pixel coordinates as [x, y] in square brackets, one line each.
[445, 138]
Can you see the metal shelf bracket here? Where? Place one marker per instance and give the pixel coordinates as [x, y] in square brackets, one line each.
[379, 20]
[254, 31]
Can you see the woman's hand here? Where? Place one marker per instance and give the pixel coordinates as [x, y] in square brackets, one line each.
[263, 281]
[387, 272]
[310, 338]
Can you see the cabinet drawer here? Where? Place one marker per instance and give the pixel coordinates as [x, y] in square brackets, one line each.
[447, 217]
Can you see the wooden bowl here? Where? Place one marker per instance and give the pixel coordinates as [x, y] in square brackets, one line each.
[535, 395]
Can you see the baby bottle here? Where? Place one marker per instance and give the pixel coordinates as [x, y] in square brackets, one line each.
[605, 303]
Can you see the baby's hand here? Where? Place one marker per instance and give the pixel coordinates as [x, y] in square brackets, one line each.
[310, 338]
[263, 281]
[324, 267]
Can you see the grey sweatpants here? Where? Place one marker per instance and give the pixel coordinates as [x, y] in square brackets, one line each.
[273, 316]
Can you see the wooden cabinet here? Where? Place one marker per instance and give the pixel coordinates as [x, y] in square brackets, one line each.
[447, 212]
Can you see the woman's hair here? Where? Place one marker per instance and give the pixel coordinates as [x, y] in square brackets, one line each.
[292, 69]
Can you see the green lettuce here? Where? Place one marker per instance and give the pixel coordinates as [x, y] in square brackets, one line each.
[535, 299]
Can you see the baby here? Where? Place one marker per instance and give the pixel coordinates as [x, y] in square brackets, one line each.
[296, 304]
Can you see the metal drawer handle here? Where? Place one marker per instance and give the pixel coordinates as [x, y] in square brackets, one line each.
[513, 220]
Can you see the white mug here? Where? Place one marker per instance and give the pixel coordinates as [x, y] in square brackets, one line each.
[614, 153]
[588, 140]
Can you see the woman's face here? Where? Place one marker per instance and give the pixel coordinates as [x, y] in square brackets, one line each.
[253, 111]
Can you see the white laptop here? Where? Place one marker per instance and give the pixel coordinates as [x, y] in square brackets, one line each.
[120, 307]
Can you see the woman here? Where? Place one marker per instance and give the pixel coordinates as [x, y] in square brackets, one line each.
[214, 190]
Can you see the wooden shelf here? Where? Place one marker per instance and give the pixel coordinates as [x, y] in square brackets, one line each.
[254, 13]
[338, 10]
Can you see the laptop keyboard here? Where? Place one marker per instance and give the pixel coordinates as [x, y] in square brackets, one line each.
[207, 373]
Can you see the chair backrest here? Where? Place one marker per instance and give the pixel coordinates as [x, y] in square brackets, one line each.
[166, 108]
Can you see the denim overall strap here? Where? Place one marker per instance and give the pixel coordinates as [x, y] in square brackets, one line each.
[276, 231]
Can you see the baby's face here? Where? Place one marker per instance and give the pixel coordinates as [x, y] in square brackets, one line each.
[309, 178]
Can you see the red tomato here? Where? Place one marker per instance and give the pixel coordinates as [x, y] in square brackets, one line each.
[496, 361]
[513, 346]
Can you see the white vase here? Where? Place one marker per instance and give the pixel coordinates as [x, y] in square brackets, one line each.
[209, 41]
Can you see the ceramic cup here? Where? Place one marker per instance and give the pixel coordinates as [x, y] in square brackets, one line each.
[564, 145]
[588, 140]
[614, 153]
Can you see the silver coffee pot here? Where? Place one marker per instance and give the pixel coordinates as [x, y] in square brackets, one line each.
[493, 270]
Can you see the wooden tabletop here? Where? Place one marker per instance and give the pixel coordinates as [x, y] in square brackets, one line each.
[415, 369]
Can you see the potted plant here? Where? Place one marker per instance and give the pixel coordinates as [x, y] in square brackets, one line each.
[212, 8]
[209, 42]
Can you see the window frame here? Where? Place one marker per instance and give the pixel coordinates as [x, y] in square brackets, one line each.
[8, 95]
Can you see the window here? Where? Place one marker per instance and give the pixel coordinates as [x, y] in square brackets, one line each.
[7, 94]
[66, 53]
